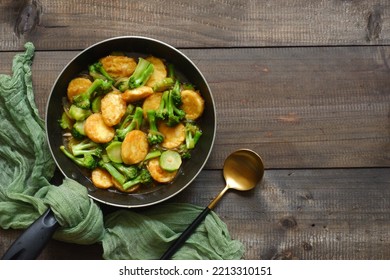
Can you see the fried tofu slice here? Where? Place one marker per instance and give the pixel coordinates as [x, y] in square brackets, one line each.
[137, 94]
[174, 136]
[159, 174]
[113, 108]
[159, 73]
[152, 102]
[77, 86]
[119, 66]
[134, 147]
[101, 178]
[192, 104]
[97, 130]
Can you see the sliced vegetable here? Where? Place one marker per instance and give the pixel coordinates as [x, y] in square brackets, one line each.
[170, 160]
[114, 151]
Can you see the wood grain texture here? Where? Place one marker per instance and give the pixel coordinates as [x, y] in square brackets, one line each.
[292, 214]
[297, 107]
[204, 23]
[303, 83]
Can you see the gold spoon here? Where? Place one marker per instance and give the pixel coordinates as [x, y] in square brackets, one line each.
[242, 170]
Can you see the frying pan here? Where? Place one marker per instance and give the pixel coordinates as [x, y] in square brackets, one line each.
[33, 240]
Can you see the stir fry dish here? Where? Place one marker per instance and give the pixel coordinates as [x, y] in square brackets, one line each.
[131, 122]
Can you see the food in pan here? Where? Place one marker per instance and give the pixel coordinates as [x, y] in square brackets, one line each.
[131, 122]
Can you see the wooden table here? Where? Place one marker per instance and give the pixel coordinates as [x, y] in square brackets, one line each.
[306, 84]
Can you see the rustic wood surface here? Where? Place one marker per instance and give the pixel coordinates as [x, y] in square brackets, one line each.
[306, 84]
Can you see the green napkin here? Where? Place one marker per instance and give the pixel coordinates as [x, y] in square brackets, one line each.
[25, 192]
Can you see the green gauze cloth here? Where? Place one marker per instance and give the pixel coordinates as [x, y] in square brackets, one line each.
[25, 192]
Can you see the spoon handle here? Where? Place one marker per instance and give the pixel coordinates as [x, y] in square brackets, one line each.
[185, 235]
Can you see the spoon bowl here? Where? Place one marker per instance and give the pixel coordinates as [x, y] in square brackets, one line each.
[242, 170]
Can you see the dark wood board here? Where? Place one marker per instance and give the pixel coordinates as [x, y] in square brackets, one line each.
[204, 23]
[297, 107]
[293, 214]
[303, 83]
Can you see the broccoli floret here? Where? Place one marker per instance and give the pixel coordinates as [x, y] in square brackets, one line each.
[87, 160]
[169, 106]
[130, 123]
[162, 111]
[78, 130]
[184, 152]
[120, 172]
[143, 177]
[65, 122]
[97, 71]
[141, 74]
[78, 113]
[87, 146]
[130, 171]
[193, 134]
[83, 100]
[154, 136]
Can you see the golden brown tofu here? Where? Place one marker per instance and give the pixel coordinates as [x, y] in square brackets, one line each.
[137, 94]
[113, 108]
[101, 178]
[77, 86]
[97, 130]
[119, 66]
[173, 136]
[134, 147]
[193, 104]
[152, 102]
[159, 73]
[159, 174]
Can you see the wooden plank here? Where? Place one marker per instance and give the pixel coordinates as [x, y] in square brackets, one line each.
[297, 107]
[306, 214]
[204, 23]
[292, 214]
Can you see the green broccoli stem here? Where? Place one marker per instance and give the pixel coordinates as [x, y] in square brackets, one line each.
[118, 176]
[175, 115]
[141, 74]
[129, 171]
[87, 161]
[143, 177]
[171, 71]
[86, 146]
[162, 111]
[136, 123]
[154, 136]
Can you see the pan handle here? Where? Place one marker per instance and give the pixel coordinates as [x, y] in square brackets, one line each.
[31, 243]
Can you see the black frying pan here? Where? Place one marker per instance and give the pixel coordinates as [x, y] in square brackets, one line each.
[33, 240]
